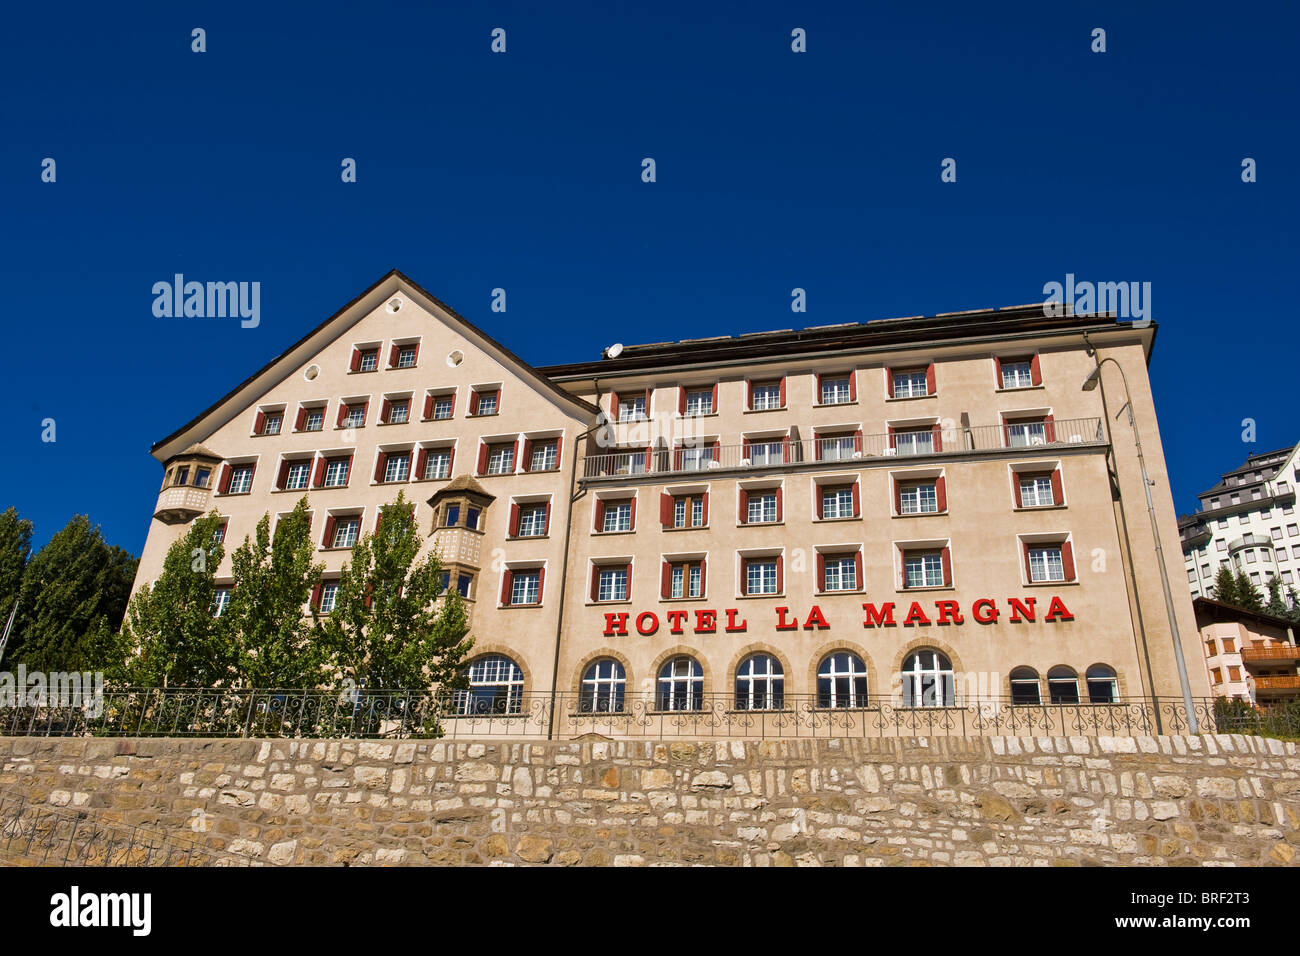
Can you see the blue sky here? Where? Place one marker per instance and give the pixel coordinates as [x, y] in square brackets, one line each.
[522, 171]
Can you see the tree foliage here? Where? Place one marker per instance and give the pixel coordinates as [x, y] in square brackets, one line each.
[171, 635]
[1225, 586]
[15, 551]
[73, 595]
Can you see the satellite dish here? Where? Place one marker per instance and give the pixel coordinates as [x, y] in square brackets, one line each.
[614, 350]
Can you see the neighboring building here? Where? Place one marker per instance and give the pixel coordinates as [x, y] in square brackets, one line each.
[913, 512]
[1248, 521]
[1248, 656]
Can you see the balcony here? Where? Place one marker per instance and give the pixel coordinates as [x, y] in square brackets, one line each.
[1277, 686]
[840, 449]
[1270, 653]
[1250, 541]
[1194, 535]
[180, 504]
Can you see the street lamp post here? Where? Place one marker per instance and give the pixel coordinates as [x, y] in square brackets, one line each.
[1089, 384]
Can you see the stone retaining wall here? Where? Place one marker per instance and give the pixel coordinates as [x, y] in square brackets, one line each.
[1217, 800]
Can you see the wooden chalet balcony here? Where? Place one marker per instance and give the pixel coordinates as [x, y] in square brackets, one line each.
[1270, 652]
[775, 454]
[1289, 684]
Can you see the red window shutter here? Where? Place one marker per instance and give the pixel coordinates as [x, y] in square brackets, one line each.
[889, 382]
[893, 440]
[473, 403]
[613, 406]
[1058, 496]
[936, 436]
[1035, 371]
[1067, 560]
[853, 385]
[526, 457]
[1006, 433]
[365, 410]
[384, 410]
[780, 579]
[677, 458]
[595, 582]
[1029, 575]
[857, 441]
[452, 396]
[541, 584]
[259, 423]
[392, 356]
[715, 396]
[343, 414]
[416, 358]
[666, 581]
[647, 403]
[515, 447]
[820, 493]
[857, 569]
[946, 557]
[857, 501]
[300, 420]
[744, 506]
[715, 449]
[282, 479]
[507, 583]
[779, 502]
[666, 510]
[600, 514]
[929, 379]
[356, 360]
[749, 395]
[482, 458]
[514, 520]
[681, 399]
[1049, 429]
[941, 493]
[328, 541]
[632, 519]
[817, 389]
[782, 397]
[785, 449]
[428, 407]
[704, 509]
[997, 372]
[703, 571]
[315, 595]
[380, 461]
[821, 571]
[1015, 489]
[559, 446]
[318, 479]
[898, 496]
[421, 459]
[744, 575]
[629, 581]
[225, 479]
[546, 518]
[744, 448]
[451, 460]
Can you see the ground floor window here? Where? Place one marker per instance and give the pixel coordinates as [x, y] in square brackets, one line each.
[928, 680]
[496, 686]
[604, 686]
[681, 685]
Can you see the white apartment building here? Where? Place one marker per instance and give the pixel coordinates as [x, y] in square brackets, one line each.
[1247, 520]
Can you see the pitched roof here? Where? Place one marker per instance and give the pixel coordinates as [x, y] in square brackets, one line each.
[316, 339]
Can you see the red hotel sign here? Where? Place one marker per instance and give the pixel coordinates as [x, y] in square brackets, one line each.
[706, 620]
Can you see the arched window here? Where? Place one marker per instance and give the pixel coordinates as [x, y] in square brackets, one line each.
[760, 683]
[603, 686]
[681, 684]
[841, 681]
[496, 686]
[928, 680]
[1063, 685]
[1103, 688]
[1025, 688]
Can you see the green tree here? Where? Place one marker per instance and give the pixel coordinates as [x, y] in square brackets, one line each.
[386, 631]
[1225, 586]
[1293, 606]
[1276, 605]
[73, 595]
[1248, 595]
[265, 623]
[171, 636]
[15, 551]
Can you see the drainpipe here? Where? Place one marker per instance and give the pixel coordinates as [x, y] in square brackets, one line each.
[564, 576]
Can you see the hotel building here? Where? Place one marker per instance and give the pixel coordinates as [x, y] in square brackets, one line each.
[905, 513]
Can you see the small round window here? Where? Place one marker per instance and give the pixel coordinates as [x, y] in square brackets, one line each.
[455, 357]
[311, 372]
[394, 305]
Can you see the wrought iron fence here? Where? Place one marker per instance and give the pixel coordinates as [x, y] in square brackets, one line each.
[54, 836]
[260, 713]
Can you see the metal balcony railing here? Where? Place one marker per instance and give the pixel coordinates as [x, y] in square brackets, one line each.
[841, 448]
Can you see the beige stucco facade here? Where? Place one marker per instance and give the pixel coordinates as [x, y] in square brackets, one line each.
[961, 447]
